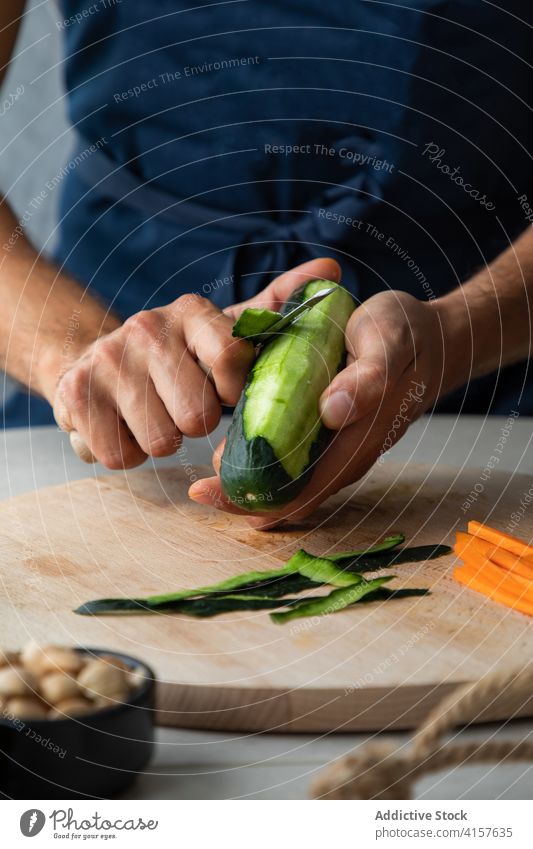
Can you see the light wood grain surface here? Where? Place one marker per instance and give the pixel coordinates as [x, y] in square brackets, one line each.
[373, 667]
[218, 764]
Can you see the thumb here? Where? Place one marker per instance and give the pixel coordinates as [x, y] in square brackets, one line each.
[378, 341]
[354, 392]
[276, 293]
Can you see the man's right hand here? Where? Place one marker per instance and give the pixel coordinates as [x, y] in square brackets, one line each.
[164, 373]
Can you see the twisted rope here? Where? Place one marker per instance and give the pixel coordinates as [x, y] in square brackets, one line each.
[379, 771]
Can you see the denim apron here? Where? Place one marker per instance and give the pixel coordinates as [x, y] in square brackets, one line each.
[219, 144]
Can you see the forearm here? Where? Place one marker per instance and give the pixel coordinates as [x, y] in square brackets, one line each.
[486, 322]
[46, 318]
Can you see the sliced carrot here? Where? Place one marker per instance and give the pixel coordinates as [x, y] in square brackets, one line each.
[497, 565]
[505, 541]
[471, 555]
[463, 537]
[474, 580]
[520, 565]
[467, 543]
[499, 577]
[470, 577]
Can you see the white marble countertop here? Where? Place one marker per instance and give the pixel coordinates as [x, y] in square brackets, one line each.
[217, 765]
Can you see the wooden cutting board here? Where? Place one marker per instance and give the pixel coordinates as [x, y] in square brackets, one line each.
[375, 666]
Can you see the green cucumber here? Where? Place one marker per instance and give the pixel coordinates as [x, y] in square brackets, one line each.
[276, 435]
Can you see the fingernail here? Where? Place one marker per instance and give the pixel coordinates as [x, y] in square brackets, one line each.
[197, 493]
[337, 409]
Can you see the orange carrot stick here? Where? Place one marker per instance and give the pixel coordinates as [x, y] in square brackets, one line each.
[520, 565]
[467, 543]
[470, 578]
[498, 577]
[496, 590]
[506, 541]
[469, 554]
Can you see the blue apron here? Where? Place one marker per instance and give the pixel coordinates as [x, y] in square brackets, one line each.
[220, 144]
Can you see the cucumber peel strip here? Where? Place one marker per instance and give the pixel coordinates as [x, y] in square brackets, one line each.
[382, 560]
[322, 571]
[386, 545]
[237, 582]
[229, 584]
[253, 322]
[260, 587]
[336, 600]
[273, 590]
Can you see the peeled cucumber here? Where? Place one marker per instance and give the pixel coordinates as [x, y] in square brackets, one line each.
[276, 435]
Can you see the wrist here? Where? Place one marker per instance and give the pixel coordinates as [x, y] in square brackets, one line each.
[54, 357]
[457, 334]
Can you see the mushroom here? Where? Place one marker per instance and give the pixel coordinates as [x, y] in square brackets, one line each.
[43, 659]
[58, 686]
[100, 679]
[16, 681]
[44, 677]
[8, 658]
[32, 656]
[136, 677]
[23, 707]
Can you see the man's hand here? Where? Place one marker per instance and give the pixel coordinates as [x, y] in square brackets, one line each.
[393, 374]
[163, 373]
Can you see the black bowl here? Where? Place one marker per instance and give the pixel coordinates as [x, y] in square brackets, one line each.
[95, 755]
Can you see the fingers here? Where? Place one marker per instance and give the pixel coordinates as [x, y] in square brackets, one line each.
[138, 389]
[80, 448]
[208, 336]
[381, 346]
[208, 491]
[187, 393]
[277, 292]
[175, 345]
[392, 356]
[350, 454]
[217, 456]
[333, 472]
[358, 390]
[327, 478]
[148, 419]
[98, 427]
